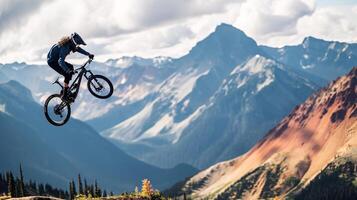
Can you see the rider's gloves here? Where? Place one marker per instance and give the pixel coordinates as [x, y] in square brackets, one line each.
[91, 56]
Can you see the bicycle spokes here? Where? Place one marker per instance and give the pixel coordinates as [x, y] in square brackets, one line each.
[100, 86]
[57, 110]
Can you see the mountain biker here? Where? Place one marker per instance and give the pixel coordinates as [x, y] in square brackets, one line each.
[57, 55]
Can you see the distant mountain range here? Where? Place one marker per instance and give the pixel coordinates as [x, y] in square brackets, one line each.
[210, 105]
[57, 154]
[310, 154]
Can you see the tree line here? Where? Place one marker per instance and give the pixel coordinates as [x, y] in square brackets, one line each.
[16, 186]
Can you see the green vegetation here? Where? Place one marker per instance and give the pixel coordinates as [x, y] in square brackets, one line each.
[147, 192]
[246, 183]
[336, 181]
[291, 182]
[11, 186]
[271, 173]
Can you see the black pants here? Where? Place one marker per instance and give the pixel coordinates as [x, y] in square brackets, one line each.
[58, 69]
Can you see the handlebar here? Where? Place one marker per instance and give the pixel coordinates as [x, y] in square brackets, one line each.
[86, 63]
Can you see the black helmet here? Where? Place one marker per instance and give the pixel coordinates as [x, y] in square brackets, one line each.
[77, 39]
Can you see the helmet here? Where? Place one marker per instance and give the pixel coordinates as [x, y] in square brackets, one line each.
[77, 39]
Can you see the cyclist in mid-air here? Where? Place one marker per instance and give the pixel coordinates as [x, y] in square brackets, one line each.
[57, 55]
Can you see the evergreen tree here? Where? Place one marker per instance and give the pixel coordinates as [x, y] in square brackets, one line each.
[97, 190]
[86, 189]
[41, 189]
[111, 193]
[11, 184]
[17, 187]
[91, 190]
[22, 184]
[72, 190]
[80, 186]
[105, 193]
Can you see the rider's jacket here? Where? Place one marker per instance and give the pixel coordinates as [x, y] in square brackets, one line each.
[58, 54]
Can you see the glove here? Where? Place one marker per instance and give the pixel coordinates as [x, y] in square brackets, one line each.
[91, 56]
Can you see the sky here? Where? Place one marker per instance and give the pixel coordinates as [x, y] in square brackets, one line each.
[149, 28]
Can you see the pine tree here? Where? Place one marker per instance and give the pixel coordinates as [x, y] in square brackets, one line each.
[17, 187]
[97, 191]
[11, 184]
[72, 189]
[111, 193]
[86, 189]
[22, 184]
[80, 186]
[41, 189]
[105, 193]
[146, 189]
[91, 190]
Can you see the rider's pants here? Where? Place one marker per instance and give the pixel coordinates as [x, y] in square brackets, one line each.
[58, 69]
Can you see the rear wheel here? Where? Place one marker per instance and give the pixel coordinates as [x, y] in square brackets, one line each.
[56, 110]
[100, 86]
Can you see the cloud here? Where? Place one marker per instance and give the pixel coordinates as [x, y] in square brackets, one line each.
[263, 19]
[95, 19]
[331, 23]
[148, 28]
[14, 12]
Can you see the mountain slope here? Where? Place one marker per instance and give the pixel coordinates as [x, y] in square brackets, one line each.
[247, 104]
[21, 144]
[316, 133]
[200, 107]
[74, 148]
[324, 59]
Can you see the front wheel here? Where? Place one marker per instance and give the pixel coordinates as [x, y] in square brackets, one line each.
[56, 110]
[100, 86]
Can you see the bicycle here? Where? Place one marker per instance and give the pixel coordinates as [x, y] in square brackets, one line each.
[57, 107]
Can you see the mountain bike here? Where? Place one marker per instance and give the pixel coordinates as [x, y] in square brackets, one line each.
[57, 107]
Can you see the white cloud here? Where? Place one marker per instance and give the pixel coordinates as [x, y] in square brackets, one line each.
[161, 27]
[264, 19]
[331, 23]
[101, 21]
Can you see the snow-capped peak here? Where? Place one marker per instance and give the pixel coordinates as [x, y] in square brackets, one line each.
[256, 64]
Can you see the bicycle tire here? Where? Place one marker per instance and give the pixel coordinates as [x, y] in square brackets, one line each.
[49, 119]
[94, 93]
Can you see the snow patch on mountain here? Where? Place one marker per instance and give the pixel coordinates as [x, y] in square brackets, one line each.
[258, 65]
[172, 130]
[180, 85]
[269, 78]
[2, 108]
[133, 93]
[130, 128]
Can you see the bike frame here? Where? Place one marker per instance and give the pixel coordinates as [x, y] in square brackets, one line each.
[82, 71]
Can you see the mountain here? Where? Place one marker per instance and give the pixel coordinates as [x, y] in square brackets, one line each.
[21, 144]
[201, 108]
[321, 58]
[249, 96]
[58, 154]
[314, 147]
[221, 90]
[126, 61]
